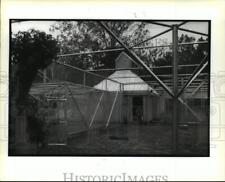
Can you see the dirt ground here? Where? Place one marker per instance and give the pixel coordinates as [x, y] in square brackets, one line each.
[135, 140]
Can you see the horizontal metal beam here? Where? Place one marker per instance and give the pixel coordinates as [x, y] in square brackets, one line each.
[191, 86]
[180, 84]
[184, 74]
[140, 68]
[192, 43]
[90, 52]
[170, 45]
[169, 84]
[180, 80]
[160, 75]
[122, 49]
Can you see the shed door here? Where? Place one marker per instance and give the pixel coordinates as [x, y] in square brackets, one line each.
[137, 109]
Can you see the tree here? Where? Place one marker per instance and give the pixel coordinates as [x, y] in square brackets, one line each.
[78, 36]
[188, 54]
[30, 51]
[84, 36]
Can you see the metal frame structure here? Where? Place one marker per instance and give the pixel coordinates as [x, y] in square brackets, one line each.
[175, 93]
[85, 71]
[132, 47]
[175, 86]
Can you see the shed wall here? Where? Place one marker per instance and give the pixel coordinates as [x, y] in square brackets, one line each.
[148, 108]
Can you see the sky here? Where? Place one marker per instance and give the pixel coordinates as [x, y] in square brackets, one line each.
[26, 25]
[154, 29]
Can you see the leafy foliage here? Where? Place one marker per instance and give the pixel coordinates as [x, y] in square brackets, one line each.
[36, 125]
[89, 36]
[30, 51]
[33, 48]
[188, 54]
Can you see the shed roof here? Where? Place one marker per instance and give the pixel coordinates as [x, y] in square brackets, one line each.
[131, 81]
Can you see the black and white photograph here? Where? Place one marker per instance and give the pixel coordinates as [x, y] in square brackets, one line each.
[107, 87]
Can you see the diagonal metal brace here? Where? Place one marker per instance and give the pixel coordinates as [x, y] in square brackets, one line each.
[200, 85]
[197, 71]
[96, 110]
[189, 108]
[75, 102]
[157, 35]
[137, 59]
[194, 32]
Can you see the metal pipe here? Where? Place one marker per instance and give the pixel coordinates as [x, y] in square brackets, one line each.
[161, 75]
[96, 109]
[84, 79]
[202, 65]
[154, 83]
[192, 31]
[189, 108]
[121, 49]
[175, 87]
[91, 52]
[184, 22]
[140, 68]
[44, 76]
[112, 108]
[97, 75]
[191, 43]
[160, 24]
[199, 86]
[150, 38]
[170, 45]
[137, 59]
[185, 79]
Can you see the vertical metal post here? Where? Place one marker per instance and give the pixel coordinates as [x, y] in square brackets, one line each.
[65, 121]
[84, 79]
[183, 109]
[65, 110]
[44, 76]
[175, 88]
[121, 104]
[53, 66]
